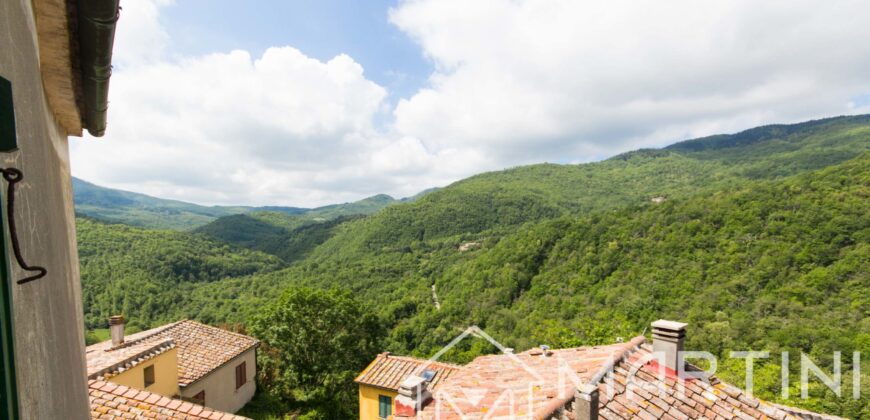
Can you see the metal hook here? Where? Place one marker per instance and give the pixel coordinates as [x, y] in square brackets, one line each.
[12, 177]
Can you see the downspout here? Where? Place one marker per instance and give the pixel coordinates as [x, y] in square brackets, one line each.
[96, 34]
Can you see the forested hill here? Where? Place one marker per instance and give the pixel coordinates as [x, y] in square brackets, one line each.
[759, 240]
[141, 210]
[502, 200]
[289, 237]
[779, 265]
[144, 274]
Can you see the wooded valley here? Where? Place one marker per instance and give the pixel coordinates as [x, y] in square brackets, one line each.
[759, 240]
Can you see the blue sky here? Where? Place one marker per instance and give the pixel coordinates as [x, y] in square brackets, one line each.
[306, 103]
[321, 29]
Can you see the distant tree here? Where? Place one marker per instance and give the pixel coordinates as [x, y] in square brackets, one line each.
[314, 343]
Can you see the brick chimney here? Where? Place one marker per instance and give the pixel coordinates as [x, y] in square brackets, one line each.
[413, 396]
[116, 328]
[668, 338]
[586, 402]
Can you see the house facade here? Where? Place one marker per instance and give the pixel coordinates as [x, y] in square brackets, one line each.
[195, 362]
[228, 387]
[379, 383]
[48, 91]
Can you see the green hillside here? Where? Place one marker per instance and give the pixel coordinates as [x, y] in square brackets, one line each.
[498, 200]
[144, 274]
[759, 239]
[141, 210]
[290, 237]
[781, 265]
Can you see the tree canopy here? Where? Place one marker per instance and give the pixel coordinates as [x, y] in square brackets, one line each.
[314, 343]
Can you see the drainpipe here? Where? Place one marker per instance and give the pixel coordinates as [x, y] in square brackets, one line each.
[96, 34]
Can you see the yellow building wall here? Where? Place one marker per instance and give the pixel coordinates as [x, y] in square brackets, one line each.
[368, 401]
[165, 374]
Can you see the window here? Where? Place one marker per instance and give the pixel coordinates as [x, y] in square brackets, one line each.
[199, 398]
[241, 375]
[385, 406]
[149, 376]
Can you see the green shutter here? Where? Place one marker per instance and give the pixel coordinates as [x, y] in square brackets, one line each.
[8, 392]
[385, 406]
[8, 140]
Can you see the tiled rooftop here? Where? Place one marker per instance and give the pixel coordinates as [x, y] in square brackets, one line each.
[534, 385]
[522, 384]
[113, 401]
[388, 371]
[102, 363]
[656, 396]
[201, 349]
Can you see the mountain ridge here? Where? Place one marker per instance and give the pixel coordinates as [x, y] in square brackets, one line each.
[142, 210]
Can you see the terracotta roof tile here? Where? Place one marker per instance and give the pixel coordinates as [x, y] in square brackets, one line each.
[532, 385]
[118, 404]
[388, 371]
[201, 349]
[640, 390]
[105, 361]
[497, 386]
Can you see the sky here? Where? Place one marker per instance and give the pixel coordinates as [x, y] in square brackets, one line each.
[302, 103]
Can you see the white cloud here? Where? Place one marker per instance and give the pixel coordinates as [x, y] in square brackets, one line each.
[528, 80]
[229, 128]
[140, 34]
[516, 81]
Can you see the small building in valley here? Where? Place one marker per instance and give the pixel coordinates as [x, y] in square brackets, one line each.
[379, 383]
[198, 363]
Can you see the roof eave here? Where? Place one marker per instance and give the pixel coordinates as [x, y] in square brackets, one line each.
[96, 21]
[58, 61]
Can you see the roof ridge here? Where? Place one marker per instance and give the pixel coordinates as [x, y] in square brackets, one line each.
[629, 348]
[632, 346]
[218, 328]
[157, 330]
[422, 361]
[167, 327]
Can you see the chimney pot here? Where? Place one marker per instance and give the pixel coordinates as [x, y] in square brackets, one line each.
[668, 338]
[586, 402]
[413, 395]
[116, 328]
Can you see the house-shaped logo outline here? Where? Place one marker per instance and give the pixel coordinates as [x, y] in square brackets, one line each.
[476, 331]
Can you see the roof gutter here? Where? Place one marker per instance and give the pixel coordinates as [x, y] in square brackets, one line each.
[96, 34]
